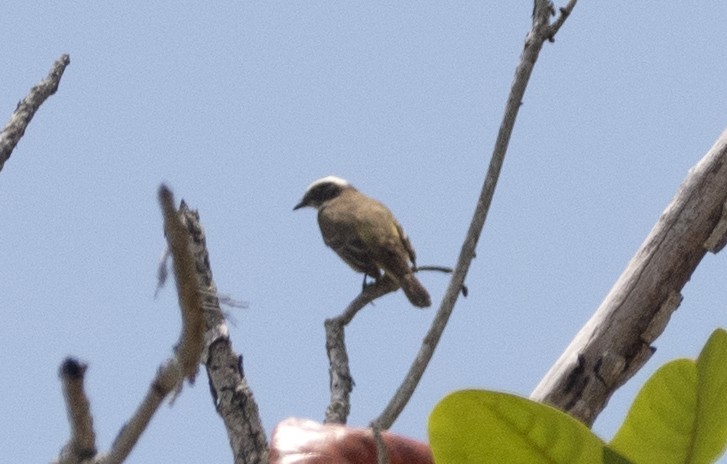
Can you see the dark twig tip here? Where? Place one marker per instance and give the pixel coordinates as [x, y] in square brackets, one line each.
[73, 369]
[165, 193]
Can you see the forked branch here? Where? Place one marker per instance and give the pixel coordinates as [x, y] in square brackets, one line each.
[169, 378]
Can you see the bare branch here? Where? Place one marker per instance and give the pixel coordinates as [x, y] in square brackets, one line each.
[15, 128]
[170, 375]
[341, 382]
[82, 444]
[191, 340]
[232, 395]
[382, 453]
[167, 379]
[616, 342]
[189, 349]
[564, 13]
[533, 44]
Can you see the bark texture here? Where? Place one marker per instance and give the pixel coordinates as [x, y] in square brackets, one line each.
[616, 341]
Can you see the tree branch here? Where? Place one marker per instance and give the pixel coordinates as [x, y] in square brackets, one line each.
[341, 382]
[538, 34]
[15, 128]
[189, 349]
[82, 444]
[564, 13]
[231, 393]
[191, 340]
[170, 375]
[616, 342]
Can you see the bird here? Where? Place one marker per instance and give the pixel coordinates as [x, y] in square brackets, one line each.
[365, 235]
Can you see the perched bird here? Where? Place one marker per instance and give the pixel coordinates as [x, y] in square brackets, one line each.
[365, 234]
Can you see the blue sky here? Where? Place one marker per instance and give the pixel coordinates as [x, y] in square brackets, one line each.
[239, 106]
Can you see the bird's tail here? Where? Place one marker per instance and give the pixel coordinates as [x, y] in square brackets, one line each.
[415, 291]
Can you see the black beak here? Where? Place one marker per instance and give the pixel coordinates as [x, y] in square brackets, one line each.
[300, 205]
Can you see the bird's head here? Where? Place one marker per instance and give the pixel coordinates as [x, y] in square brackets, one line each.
[321, 191]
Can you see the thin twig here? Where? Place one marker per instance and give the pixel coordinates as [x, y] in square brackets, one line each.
[167, 379]
[564, 13]
[445, 269]
[533, 44]
[15, 128]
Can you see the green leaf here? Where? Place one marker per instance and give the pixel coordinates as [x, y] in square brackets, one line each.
[711, 437]
[680, 414]
[476, 426]
[612, 457]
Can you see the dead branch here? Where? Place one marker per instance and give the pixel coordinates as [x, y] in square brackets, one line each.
[616, 342]
[341, 382]
[189, 349]
[231, 393]
[170, 375]
[82, 444]
[15, 128]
